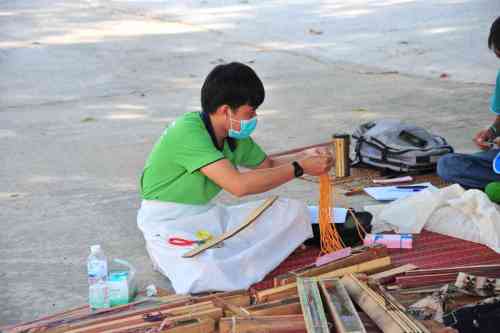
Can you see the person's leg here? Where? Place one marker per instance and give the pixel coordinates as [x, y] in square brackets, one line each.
[470, 171]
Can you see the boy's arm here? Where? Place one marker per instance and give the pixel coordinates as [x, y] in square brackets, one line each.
[224, 174]
[276, 161]
[484, 137]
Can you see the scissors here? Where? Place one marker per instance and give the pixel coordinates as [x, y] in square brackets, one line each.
[185, 242]
[202, 235]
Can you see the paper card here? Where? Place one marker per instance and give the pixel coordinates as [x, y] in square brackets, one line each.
[391, 241]
[336, 255]
[339, 214]
[390, 193]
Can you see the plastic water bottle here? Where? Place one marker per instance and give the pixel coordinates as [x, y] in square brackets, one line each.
[97, 268]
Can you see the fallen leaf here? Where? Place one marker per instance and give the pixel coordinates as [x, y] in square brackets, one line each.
[315, 32]
[218, 61]
[359, 110]
[88, 119]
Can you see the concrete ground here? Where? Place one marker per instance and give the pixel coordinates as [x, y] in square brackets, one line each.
[86, 87]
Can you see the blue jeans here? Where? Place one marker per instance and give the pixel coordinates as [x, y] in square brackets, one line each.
[470, 171]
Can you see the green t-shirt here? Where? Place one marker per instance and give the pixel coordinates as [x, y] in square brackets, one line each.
[172, 170]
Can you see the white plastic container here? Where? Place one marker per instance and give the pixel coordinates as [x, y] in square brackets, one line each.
[99, 295]
[97, 268]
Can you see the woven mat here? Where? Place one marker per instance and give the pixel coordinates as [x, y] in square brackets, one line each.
[363, 177]
[430, 250]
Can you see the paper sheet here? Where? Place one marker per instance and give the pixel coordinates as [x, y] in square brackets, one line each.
[339, 214]
[389, 193]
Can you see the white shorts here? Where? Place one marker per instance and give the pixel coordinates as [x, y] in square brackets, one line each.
[243, 260]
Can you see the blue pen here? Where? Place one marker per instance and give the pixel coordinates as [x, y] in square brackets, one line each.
[412, 187]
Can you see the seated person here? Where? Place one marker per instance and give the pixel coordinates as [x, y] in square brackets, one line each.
[475, 170]
[196, 157]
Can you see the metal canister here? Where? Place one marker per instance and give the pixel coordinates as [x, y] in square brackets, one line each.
[341, 143]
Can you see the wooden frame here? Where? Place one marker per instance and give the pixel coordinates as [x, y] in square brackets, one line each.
[340, 306]
[217, 240]
[312, 306]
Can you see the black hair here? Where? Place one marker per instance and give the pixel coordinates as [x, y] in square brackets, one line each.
[494, 38]
[234, 84]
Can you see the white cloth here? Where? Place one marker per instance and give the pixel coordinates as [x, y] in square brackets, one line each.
[243, 259]
[451, 211]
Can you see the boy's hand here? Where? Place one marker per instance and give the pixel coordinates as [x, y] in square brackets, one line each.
[317, 151]
[317, 165]
[496, 142]
[483, 139]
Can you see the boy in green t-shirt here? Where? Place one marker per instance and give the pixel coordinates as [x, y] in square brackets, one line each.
[475, 170]
[198, 154]
[196, 157]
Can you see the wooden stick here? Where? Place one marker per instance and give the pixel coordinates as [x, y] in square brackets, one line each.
[103, 318]
[396, 304]
[386, 313]
[181, 313]
[389, 274]
[205, 325]
[341, 309]
[291, 288]
[370, 253]
[188, 325]
[312, 307]
[341, 143]
[371, 306]
[297, 150]
[473, 268]
[237, 298]
[286, 306]
[276, 293]
[217, 240]
[44, 321]
[233, 309]
[266, 324]
[75, 315]
[359, 268]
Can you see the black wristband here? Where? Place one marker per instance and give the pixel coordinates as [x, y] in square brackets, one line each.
[297, 169]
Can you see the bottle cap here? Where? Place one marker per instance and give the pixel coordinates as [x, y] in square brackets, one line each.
[95, 248]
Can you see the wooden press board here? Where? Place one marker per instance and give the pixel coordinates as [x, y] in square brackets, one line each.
[251, 218]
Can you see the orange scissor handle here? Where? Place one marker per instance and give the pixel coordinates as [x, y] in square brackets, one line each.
[183, 242]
